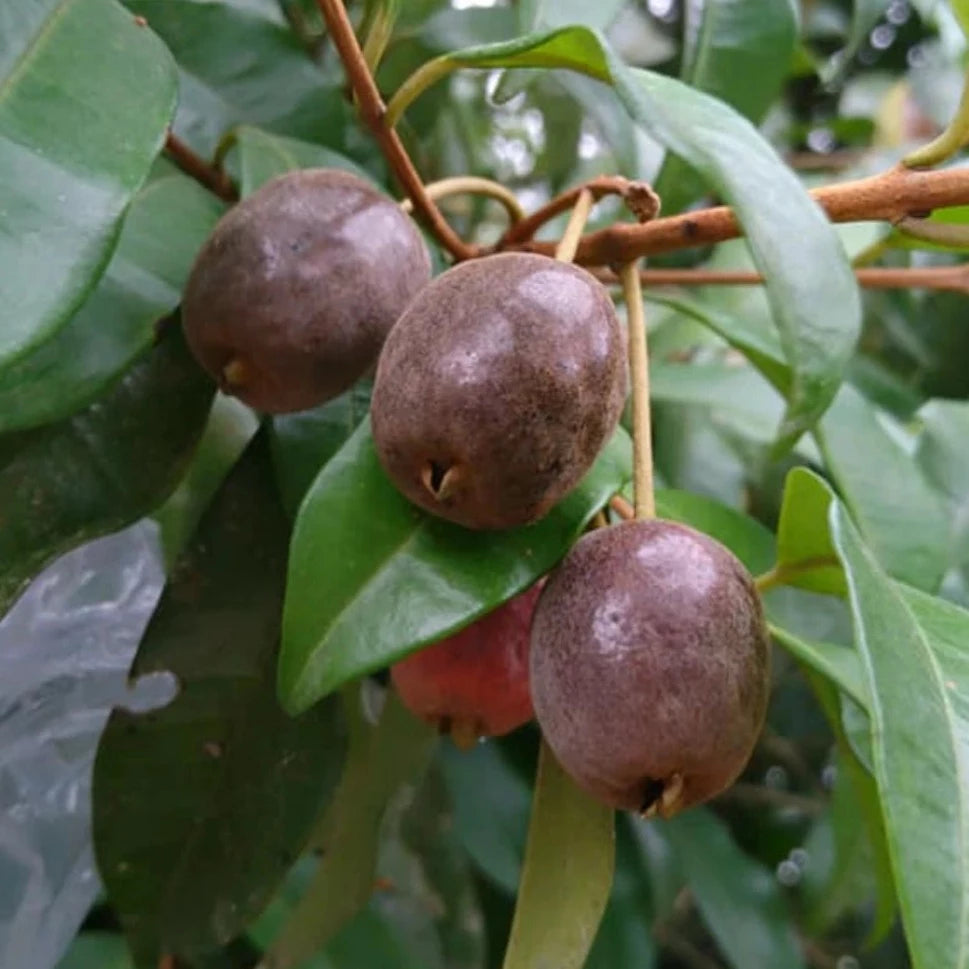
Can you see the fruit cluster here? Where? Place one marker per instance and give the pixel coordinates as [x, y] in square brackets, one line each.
[497, 384]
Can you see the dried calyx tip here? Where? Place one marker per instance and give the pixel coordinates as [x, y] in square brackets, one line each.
[663, 798]
[234, 374]
[438, 479]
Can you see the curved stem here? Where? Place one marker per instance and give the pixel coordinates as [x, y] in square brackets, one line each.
[940, 233]
[639, 368]
[427, 75]
[622, 507]
[372, 111]
[955, 136]
[378, 35]
[641, 199]
[207, 175]
[565, 250]
[472, 185]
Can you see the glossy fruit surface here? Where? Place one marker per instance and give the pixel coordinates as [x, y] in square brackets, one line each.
[497, 389]
[474, 683]
[650, 665]
[293, 294]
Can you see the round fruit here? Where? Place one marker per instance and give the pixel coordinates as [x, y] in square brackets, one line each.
[497, 388]
[475, 683]
[650, 666]
[291, 297]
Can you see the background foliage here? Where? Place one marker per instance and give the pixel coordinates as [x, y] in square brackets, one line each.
[819, 433]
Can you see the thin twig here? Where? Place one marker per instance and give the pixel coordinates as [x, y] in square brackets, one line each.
[622, 507]
[938, 233]
[206, 174]
[472, 185]
[952, 278]
[888, 197]
[372, 110]
[645, 502]
[565, 250]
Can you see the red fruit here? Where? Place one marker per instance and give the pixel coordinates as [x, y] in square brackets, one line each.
[475, 683]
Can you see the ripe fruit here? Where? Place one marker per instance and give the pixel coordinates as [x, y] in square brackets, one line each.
[293, 294]
[474, 683]
[650, 666]
[497, 388]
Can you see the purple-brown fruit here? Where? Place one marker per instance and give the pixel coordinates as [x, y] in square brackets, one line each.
[497, 388]
[650, 666]
[294, 292]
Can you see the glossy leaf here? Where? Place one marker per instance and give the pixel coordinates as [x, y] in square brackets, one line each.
[740, 52]
[913, 649]
[379, 761]
[263, 156]
[405, 578]
[562, 894]
[303, 442]
[237, 66]
[228, 785]
[838, 664]
[85, 95]
[746, 912]
[897, 510]
[166, 224]
[806, 557]
[105, 467]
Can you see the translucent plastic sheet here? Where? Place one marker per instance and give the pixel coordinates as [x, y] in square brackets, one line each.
[65, 648]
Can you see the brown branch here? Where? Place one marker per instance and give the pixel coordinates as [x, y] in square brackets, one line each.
[951, 278]
[372, 110]
[207, 175]
[889, 197]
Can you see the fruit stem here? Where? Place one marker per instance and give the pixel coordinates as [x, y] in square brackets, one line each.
[471, 185]
[569, 243]
[645, 502]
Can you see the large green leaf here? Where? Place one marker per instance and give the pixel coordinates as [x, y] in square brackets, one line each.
[809, 282]
[379, 761]
[745, 911]
[563, 893]
[227, 785]
[102, 469]
[163, 229]
[85, 96]
[263, 156]
[371, 578]
[915, 662]
[740, 52]
[899, 513]
[238, 66]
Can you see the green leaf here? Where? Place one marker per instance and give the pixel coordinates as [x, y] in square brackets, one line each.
[237, 66]
[913, 651]
[806, 557]
[263, 156]
[97, 950]
[85, 96]
[563, 893]
[745, 912]
[405, 578]
[226, 783]
[166, 224]
[380, 760]
[739, 51]
[750, 541]
[839, 664]
[303, 442]
[898, 512]
[105, 467]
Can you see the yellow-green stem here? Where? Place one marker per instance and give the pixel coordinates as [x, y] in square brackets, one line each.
[939, 233]
[471, 185]
[427, 75]
[378, 35]
[955, 136]
[569, 243]
[645, 502]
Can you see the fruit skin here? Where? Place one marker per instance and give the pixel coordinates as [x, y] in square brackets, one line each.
[292, 295]
[475, 683]
[650, 665]
[497, 388]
